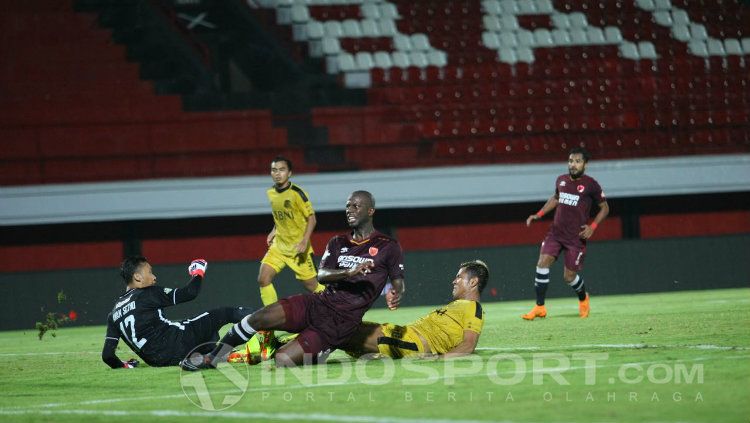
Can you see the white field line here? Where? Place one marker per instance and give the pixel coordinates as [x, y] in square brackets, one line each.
[569, 347]
[615, 346]
[240, 415]
[340, 383]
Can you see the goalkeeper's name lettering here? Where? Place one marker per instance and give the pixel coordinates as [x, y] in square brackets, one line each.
[569, 199]
[126, 308]
[352, 261]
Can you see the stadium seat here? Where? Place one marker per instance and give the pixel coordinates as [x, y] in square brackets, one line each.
[351, 28]
[370, 28]
[732, 47]
[370, 10]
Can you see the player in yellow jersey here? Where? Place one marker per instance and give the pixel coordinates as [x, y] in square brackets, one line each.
[289, 240]
[452, 330]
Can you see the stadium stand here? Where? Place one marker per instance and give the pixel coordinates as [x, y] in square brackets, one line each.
[447, 83]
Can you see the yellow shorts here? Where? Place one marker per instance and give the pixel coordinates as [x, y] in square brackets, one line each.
[302, 265]
[399, 341]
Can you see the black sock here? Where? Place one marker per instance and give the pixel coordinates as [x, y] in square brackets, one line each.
[541, 281]
[240, 333]
[579, 287]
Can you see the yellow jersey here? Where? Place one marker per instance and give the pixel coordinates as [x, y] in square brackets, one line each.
[290, 207]
[444, 328]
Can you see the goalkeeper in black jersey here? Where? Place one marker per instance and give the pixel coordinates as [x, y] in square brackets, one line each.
[137, 317]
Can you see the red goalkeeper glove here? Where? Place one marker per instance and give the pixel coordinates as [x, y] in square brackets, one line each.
[198, 267]
[130, 363]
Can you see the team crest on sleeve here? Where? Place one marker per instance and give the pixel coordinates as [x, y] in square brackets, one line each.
[373, 251]
[167, 291]
[562, 183]
[580, 188]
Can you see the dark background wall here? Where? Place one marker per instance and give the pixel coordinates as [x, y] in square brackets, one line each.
[612, 267]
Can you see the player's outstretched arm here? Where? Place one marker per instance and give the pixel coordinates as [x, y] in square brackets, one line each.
[197, 270]
[109, 356]
[546, 208]
[335, 275]
[466, 347]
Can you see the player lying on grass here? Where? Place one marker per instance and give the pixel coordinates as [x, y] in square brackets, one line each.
[452, 330]
[355, 268]
[137, 317]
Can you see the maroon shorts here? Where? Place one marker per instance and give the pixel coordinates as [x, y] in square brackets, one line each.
[320, 327]
[575, 251]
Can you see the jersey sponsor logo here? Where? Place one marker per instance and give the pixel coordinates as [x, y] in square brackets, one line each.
[562, 183]
[283, 214]
[580, 188]
[343, 250]
[569, 199]
[373, 251]
[349, 262]
[401, 266]
[287, 204]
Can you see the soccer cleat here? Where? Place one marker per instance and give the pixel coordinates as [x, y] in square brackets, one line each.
[261, 347]
[584, 308]
[537, 311]
[196, 362]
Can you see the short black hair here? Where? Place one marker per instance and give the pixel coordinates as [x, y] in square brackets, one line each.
[367, 196]
[129, 266]
[479, 269]
[282, 159]
[582, 151]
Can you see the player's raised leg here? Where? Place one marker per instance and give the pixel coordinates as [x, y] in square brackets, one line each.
[541, 282]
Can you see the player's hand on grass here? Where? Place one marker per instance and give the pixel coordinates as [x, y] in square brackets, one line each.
[130, 364]
[198, 267]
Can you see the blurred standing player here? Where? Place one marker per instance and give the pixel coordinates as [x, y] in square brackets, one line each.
[574, 194]
[138, 319]
[289, 240]
[354, 268]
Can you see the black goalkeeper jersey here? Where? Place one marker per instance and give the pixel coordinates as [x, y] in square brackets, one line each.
[138, 319]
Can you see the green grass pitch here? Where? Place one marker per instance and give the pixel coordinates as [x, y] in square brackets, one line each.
[670, 357]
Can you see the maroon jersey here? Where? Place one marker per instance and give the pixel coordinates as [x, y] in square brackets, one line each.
[574, 197]
[353, 297]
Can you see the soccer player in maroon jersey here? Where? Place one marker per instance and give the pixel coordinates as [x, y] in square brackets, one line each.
[574, 194]
[355, 268]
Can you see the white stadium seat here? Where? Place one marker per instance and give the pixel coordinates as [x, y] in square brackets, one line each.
[629, 51]
[525, 38]
[437, 58]
[698, 32]
[698, 48]
[351, 28]
[681, 33]
[746, 45]
[508, 55]
[680, 17]
[508, 39]
[509, 23]
[561, 37]
[370, 11]
[560, 21]
[647, 50]
[646, 4]
[509, 7]
[346, 63]
[370, 28]
[578, 37]
[492, 7]
[491, 23]
[418, 59]
[577, 20]
[400, 59]
[526, 7]
[300, 14]
[595, 35]
[333, 29]
[387, 27]
[613, 35]
[544, 6]
[732, 47]
[382, 60]
[543, 38]
[331, 46]
[662, 4]
[490, 40]
[716, 47]
[402, 42]
[364, 60]
[420, 42]
[388, 11]
[525, 54]
[663, 18]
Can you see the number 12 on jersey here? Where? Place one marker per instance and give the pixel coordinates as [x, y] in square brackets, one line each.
[130, 322]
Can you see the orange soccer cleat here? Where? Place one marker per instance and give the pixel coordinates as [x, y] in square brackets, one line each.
[537, 311]
[584, 308]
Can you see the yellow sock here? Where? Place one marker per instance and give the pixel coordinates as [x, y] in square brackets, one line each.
[268, 294]
[319, 288]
